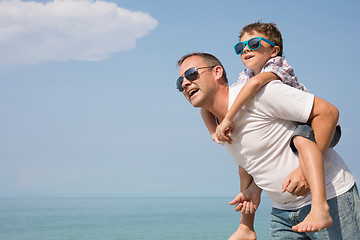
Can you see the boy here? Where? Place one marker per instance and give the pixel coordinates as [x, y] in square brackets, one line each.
[261, 51]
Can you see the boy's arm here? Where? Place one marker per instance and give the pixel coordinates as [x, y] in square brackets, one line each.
[246, 93]
[209, 120]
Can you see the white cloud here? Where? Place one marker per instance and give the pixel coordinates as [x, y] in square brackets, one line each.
[31, 32]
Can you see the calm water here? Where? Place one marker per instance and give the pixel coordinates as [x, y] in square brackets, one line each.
[124, 219]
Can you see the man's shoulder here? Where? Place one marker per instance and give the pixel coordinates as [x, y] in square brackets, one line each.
[275, 85]
[277, 91]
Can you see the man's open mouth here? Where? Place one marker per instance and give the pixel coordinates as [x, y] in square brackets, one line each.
[192, 92]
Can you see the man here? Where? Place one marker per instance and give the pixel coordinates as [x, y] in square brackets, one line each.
[260, 145]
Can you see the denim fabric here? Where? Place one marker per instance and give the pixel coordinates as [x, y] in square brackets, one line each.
[303, 130]
[306, 131]
[344, 210]
[336, 137]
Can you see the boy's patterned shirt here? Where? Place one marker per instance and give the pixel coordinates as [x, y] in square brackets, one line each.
[278, 66]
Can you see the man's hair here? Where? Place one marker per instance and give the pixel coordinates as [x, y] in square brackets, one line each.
[210, 59]
[270, 31]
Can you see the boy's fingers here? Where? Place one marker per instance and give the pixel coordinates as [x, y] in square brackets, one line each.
[239, 207]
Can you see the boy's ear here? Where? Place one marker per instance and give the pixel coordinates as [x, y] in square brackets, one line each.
[275, 52]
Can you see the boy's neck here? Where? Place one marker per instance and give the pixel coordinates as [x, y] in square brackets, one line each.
[257, 71]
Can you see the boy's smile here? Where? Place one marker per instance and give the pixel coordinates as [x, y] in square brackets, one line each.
[256, 59]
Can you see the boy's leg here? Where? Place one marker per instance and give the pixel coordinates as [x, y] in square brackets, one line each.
[245, 229]
[334, 141]
[345, 212]
[311, 163]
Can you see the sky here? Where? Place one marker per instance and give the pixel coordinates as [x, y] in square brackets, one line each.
[88, 104]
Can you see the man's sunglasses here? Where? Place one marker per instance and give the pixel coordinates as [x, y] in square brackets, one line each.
[253, 44]
[191, 74]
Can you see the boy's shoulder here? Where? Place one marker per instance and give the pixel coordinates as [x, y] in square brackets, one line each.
[278, 60]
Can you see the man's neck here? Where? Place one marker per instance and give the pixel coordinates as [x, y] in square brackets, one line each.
[219, 106]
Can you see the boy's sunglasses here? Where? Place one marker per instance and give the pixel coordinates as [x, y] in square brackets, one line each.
[191, 74]
[253, 44]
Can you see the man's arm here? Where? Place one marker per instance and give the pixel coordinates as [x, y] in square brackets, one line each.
[245, 178]
[209, 120]
[246, 226]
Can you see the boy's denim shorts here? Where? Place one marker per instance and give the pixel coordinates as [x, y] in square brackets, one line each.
[306, 131]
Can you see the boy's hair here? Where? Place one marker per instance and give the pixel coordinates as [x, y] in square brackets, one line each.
[210, 59]
[270, 31]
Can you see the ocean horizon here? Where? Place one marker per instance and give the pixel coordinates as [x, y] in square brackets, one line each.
[124, 218]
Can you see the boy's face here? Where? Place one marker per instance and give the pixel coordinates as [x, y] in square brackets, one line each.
[256, 59]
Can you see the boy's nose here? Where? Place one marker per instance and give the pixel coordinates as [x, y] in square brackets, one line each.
[246, 49]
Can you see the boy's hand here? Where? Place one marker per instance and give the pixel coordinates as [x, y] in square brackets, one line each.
[224, 130]
[215, 138]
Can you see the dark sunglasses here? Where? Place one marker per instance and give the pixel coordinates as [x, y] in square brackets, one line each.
[191, 74]
[253, 44]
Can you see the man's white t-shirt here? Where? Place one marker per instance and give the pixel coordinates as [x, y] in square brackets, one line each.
[260, 145]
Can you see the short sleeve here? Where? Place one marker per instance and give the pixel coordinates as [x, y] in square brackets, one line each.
[280, 67]
[281, 101]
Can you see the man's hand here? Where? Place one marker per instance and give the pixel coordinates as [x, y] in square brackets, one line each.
[248, 200]
[296, 184]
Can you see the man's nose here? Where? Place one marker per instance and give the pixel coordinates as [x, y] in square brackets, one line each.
[185, 83]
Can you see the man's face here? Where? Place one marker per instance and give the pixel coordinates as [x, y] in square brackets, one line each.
[196, 91]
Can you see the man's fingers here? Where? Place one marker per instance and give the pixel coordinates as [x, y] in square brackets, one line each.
[302, 190]
[291, 187]
[234, 201]
[285, 185]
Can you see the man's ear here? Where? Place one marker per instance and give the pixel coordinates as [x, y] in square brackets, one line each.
[218, 71]
[275, 51]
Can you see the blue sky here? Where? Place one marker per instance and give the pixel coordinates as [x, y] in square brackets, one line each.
[88, 105]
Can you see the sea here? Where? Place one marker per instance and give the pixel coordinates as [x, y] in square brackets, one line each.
[124, 218]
